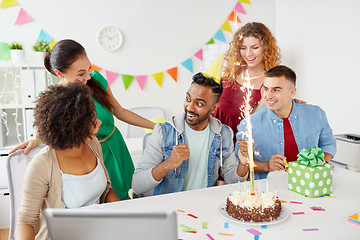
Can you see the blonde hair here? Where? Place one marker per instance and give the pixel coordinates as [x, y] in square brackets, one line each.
[234, 63]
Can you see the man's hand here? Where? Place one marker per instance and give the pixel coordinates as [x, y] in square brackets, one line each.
[276, 162]
[179, 154]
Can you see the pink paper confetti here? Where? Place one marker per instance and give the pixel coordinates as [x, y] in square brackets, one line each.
[254, 231]
[317, 208]
[352, 223]
[296, 202]
[210, 237]
[298, 213]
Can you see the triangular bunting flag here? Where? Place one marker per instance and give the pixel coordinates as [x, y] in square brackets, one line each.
[188, 64]
[111, 76]
[219, 35]
[239, 8]
[214, 71]
[158, 77]
[52, 43]
[234, 17]
[211, 41]
[8, 3]
[44, 36]
[199, 54]
[245, 1]
[173, 73]
[94, 67]
[226, 26]
[23, 17]
[141, 79]
[127, 79]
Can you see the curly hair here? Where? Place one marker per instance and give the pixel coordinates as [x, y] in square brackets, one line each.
[234, 64]
[64, 116]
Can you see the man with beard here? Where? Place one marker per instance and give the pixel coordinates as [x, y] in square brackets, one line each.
[190, 150]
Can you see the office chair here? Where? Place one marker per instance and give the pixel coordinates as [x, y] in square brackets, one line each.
[16, 166]
[145, 112]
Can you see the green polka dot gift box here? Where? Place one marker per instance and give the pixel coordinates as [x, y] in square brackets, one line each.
[310, 175]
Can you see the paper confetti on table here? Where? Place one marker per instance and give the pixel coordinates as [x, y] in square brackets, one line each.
[283, 201]
[354, 219]
[298, 213]
[254, 231]
[226, 225]
[328, 196]
[226, 234]
[210, 237]
[180, 211]
[317, 208]
[296, 202]
[310, 229]
[204, 225]
[192, 215]
[264, 226]
[187, 229]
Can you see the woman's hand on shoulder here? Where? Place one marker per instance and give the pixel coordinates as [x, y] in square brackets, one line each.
[28, 145]
[299, 101]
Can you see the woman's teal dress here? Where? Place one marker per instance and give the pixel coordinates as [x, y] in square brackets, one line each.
[116, 155]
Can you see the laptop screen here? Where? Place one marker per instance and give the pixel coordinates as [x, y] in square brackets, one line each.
[109, 224]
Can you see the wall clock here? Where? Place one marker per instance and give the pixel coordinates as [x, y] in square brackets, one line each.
[110, 38]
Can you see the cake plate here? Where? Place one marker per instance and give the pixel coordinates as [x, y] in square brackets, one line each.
[284, 214]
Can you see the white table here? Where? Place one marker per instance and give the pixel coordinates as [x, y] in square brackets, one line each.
[204, 204]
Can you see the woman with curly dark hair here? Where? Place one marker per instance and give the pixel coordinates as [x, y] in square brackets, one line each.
[69, 171]
[253, 49]
[68, 60]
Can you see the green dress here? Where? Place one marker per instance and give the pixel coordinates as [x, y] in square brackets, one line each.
[116, 155]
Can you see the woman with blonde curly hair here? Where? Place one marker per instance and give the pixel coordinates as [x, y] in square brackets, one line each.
[253, 50]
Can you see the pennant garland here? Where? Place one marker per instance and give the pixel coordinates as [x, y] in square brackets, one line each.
[111, 76]
[219, 35]
[226, 26]
[234, 17]
[127, 79]
[94, 67]
[141, 79]
[44, 36]
[199, 54]
[245, 1]
[24, 17]
[158, 77]
[188, 64]
[8, 3]
[173, 73]
[239, 8]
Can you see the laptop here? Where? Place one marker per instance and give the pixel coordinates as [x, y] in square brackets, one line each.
[110, 224]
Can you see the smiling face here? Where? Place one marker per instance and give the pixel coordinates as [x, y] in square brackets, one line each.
[251, 51]
[78, 71]
[199, 103]
[278, 93]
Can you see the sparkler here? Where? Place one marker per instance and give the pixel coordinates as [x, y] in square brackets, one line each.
[246, 110]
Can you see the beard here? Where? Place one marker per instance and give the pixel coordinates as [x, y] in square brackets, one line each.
[196, 120]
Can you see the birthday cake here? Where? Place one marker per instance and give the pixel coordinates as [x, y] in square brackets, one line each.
[258, 207]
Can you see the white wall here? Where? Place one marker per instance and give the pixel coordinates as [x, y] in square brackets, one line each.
[320, 41]
[158, 35]
[317, 38]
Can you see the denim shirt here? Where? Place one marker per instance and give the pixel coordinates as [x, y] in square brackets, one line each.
[160, 144]
[309, 125]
